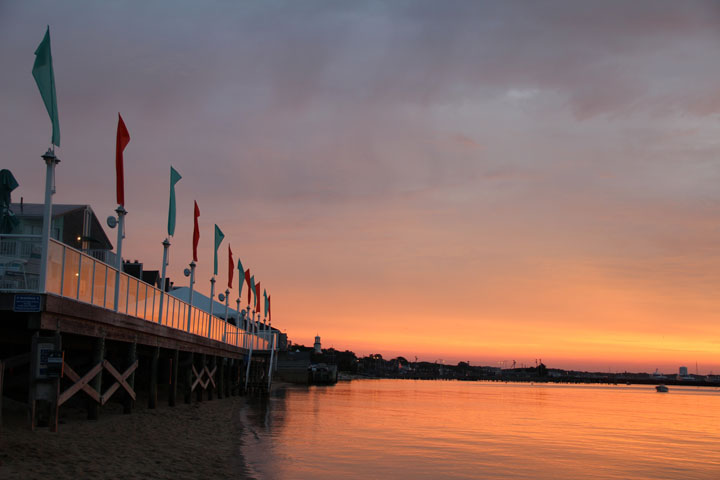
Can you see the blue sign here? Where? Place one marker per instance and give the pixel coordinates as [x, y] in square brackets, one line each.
[26, 303]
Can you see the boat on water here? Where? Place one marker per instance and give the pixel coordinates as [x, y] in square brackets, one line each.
[662, 388]
[322, 374]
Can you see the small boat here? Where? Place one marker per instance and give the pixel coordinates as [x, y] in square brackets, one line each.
[661, 388]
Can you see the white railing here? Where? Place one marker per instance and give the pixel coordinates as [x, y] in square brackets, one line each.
[20, 257]
[79, 276]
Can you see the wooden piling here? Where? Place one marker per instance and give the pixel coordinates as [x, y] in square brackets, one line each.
[2, 375]
[153, 387]
[172, 391]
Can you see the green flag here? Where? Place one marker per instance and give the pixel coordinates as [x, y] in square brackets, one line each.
[241, 279]
[45, 79]
[218, 240]
[266, 301]
[252, 289]
[174, 178]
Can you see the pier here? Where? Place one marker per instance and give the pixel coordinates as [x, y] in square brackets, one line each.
[95, 335]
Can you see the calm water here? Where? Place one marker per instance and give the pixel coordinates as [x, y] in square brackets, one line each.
[439, 430]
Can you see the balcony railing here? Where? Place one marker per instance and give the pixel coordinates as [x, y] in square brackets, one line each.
[20, 257]
[82, 277]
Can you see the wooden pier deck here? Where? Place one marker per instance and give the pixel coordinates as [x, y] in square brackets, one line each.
[74, 352]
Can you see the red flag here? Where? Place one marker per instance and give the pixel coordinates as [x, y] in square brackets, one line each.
[269, 311]
[247, 280]
[123, 138]
[257, 296]
[231, 267]
[196, 233]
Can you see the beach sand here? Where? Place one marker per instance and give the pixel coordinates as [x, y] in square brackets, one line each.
[201, 440]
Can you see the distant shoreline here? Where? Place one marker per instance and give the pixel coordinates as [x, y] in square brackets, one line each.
[344, 376]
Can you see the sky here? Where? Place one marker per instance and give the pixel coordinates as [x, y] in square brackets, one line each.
[478, 181]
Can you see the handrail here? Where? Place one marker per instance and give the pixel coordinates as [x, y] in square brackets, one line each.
[74, 274]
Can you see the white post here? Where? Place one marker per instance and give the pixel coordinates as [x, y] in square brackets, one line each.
[50, 161]
[247, 371]
[237, 324]
[166, 245]
[192, 284]
[272, 351]
[227, 306]
[212, 301]
[120, 210]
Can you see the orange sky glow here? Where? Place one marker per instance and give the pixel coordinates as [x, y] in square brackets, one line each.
[485, 182]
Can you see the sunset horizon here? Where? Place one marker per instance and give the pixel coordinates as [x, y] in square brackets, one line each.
[488, 183]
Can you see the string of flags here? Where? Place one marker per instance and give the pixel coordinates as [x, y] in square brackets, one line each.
[44, 76]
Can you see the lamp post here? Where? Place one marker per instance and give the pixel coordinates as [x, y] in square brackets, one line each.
[237, 323]
[166, 246]
[50, 162]
[227, 306]
[191, 273]
[121, 212]
[212, 301]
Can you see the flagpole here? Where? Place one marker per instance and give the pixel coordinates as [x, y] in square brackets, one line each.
[247, 370]
[121, 212]
[50, 161]
[237, 324]
[166, 246]
[192, 284]
[212, 301]
[227, 309]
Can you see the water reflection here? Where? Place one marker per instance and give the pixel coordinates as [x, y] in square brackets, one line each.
[428, 430]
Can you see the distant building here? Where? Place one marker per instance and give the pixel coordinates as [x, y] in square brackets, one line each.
[318, 347]
[73, 225]
[683, 371]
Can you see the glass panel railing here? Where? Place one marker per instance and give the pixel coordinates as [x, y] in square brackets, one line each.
[141, 300]
[132, 296]
[110, 288]
[153, 302]
[85, 278]
[123, 294]
[86, 275]
[53, 284]
[99, 282]
[71, 273]
[170, 313]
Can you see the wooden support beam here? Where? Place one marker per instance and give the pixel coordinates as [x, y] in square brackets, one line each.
[129, 399]
[213, 364]
[199, 373]
[173, 387]
[81, 383]
[121, 382]
[153, 387]
[93, 408]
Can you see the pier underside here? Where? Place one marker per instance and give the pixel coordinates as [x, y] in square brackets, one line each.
[75, 354]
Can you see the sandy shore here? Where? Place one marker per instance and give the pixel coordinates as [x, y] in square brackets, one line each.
[201, 440]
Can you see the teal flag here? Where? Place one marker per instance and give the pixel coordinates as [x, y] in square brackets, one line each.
[218, 240]
[241, 271]
[174, 178]
[266, 301]
[252, 289]
[45, 79]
